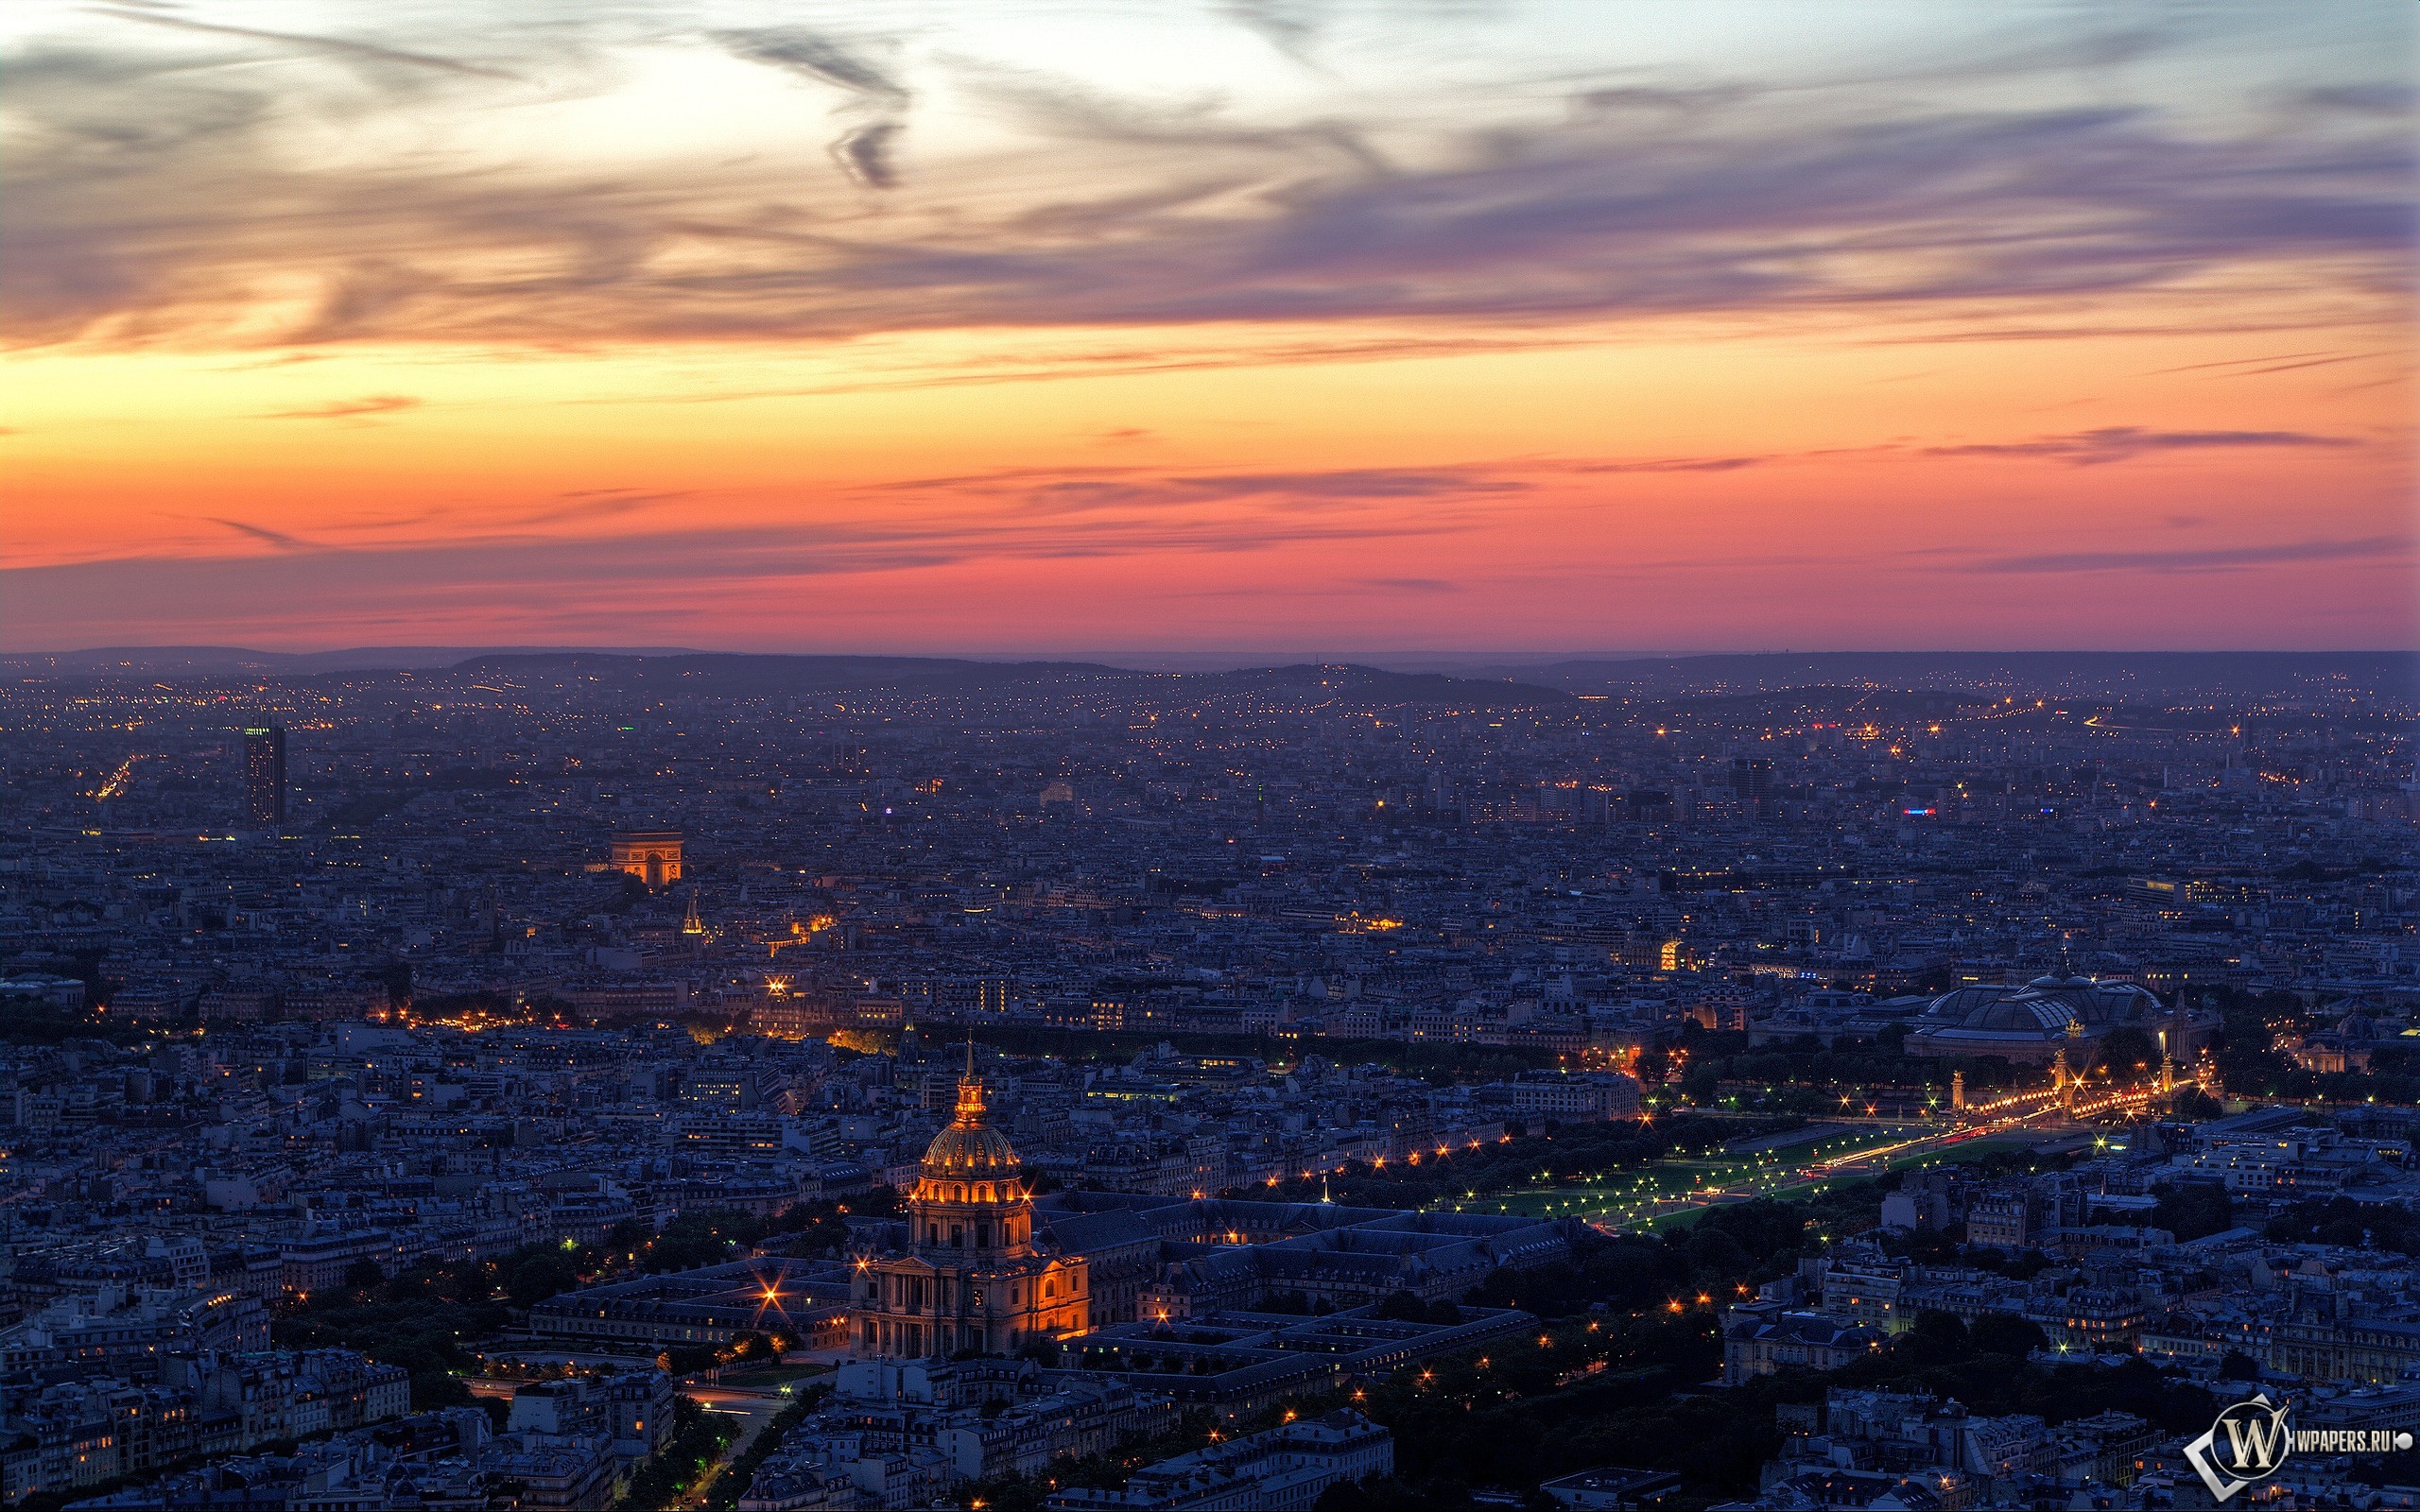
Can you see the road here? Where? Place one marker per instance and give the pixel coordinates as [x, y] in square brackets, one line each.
[1683, 1184]
[754, 1408]
[1776, 1174]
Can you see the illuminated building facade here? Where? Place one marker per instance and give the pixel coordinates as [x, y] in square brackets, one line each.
[653, 856]
[970, 1276]
[264, 777]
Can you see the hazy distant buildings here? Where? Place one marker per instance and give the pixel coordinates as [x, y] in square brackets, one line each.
[264, 777]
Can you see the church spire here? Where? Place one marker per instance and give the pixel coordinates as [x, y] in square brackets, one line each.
[969, 1090]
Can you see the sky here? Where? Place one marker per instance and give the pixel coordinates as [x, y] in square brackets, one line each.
[1011, 328]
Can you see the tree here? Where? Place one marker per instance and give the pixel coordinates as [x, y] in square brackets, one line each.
[682, 1359]
[2127, 1050]
[753, 1346]
[1938, 1339]
[2238, 1366]
[2195, 1106]
[363, 1275]
[2006, 1333]
[1402, 1307]
[2193, 1209]
[538, 1278]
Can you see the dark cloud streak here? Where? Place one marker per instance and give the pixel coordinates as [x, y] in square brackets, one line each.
[2119, 443]
[2222, 558]
[338, 46]
[347, 408]
[878, 100]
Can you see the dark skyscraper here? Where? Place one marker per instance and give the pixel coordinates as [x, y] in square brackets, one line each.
[1752, 778]
[264, 777]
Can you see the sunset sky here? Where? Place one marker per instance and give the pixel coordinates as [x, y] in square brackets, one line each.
[1010, 327]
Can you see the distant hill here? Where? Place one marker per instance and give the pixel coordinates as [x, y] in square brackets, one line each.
[231, 660]
[658, 672]
[2119, 676]
[744, 675]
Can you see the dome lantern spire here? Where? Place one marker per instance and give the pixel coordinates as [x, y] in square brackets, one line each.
[969, 1091]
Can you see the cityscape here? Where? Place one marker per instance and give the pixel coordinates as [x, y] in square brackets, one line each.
[1209, 756]
[792, 1082]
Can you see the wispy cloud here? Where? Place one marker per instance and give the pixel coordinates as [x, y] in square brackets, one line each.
[302, 573]
[599, 503]
[152, 202]
[343, 47]
[279, 538]
[347, 408]
[2221, 558]
[873, 100]
[1671, 464]
[2119, 443]
[1073, 490]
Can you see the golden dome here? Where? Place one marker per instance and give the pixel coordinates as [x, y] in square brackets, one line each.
[970, 1146]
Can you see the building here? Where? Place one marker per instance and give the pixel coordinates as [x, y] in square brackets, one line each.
[714, 1305]
[653, 856]
[264, 777]
[2006, 1219]
[1864, 1286]
[1589, 1096]
[1240, 1362]
[1754, 1346]
[1613, 1488]
[901, 1432]
[2063, 1013]
[970, 1275]
[1284, 1470]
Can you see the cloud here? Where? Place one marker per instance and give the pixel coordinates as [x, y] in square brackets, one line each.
[1411, 585]
[2119, 443]
[599, 503]
[874, 98]
[1671, 464]
[1082, 489]
[2224, 559]
[302, 575]
[279, 538]
[1291, 28]
[864, 154]
[337, 46]
[347, 408]
[2391, 99]
[817, 57]
[167, 197]
[1689, 101]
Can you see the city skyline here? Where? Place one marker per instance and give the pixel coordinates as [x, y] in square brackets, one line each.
[1000, 330]
[569, 1082]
